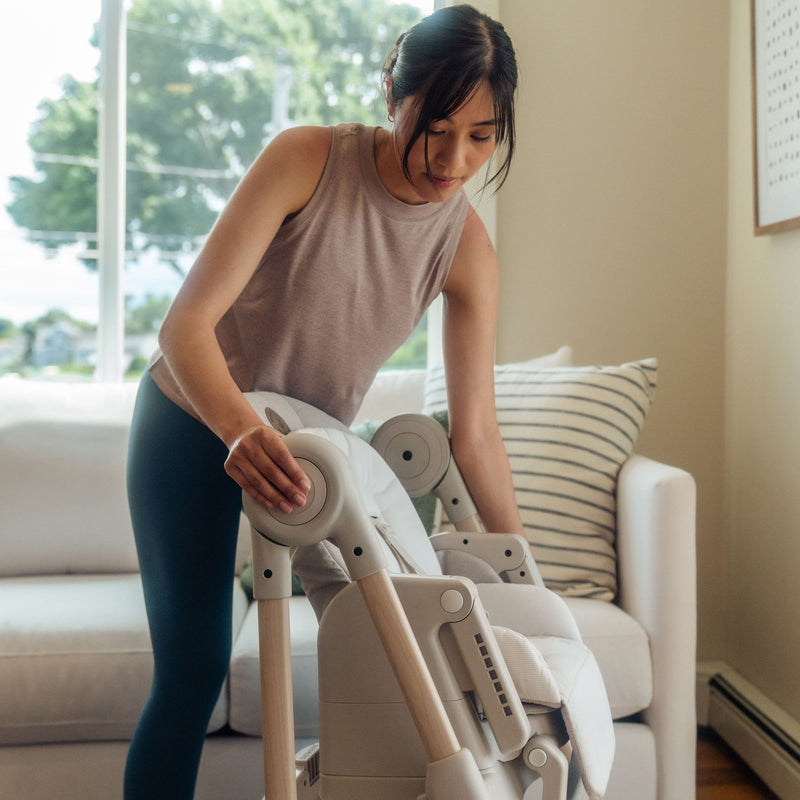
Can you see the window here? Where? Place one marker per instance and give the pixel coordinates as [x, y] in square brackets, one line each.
[49, 298]
[207, 84]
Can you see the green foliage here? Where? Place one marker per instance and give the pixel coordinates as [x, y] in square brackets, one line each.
[7, 329]
[136, 368]
[146, 316]
[60, 204]
[414, 352]
[55, 315]
[205, 94]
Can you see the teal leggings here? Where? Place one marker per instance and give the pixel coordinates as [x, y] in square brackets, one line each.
[185, 513]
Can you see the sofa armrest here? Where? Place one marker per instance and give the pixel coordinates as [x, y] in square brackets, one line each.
[657, 575]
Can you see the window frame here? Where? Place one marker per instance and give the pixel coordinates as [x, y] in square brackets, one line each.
[112, 135]
[111, 183]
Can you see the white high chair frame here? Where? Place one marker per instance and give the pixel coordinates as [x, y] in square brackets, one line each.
[333, 511]
[424, 624]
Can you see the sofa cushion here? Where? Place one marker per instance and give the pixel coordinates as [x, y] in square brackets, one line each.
[81, 521]
[622, 650]
[75, 658]
[393, 392]
[244, 686]
[70, 439]
[568, 430]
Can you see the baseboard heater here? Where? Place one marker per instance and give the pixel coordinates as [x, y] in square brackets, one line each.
[759, 731]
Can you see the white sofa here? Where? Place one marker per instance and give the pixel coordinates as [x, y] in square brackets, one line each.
[75, 660]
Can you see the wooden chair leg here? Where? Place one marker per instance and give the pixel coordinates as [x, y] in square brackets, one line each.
[276, 699]
[452, 772]
[424, 703]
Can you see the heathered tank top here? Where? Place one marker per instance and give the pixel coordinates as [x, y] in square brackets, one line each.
[340, 288]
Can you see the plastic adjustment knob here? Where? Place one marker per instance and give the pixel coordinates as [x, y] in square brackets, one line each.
[417, 449]
[451, 601]
[305, 525]
[537, 758]
[315, 499]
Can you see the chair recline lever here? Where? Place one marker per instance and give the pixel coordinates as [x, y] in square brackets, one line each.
[492, 681]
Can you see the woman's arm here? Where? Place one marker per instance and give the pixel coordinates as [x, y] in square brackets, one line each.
[470, 317]
[280, 183]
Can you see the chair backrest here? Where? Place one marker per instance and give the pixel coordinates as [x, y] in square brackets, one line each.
[401, 529]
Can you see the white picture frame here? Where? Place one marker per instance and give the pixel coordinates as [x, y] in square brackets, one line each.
[775, 33]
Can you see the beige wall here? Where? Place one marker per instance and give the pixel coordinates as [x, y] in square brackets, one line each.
[626, 231]
[611, 230]
[763, 419]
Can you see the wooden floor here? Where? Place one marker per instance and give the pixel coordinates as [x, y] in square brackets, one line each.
[722, 775]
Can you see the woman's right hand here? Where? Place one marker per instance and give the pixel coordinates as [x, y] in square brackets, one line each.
[263, 466]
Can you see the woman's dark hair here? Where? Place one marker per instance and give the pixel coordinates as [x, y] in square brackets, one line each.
[442, 60]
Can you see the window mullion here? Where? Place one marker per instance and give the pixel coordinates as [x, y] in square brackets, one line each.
[111, 189]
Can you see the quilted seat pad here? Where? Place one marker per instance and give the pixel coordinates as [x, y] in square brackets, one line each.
[618, 642]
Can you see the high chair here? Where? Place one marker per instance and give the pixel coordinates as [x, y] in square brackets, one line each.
[429, 687]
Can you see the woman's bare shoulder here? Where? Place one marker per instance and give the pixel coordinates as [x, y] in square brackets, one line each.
[308, 139]
[304, 147]
[292, 164]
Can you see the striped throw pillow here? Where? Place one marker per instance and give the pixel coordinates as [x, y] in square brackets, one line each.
[567, 432]
[436, 385]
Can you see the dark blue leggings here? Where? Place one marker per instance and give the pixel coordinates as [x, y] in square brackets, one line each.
[185, 512]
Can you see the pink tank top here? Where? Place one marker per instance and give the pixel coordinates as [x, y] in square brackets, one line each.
[340, 288]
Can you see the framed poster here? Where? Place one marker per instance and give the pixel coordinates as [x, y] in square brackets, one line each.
[775, 32]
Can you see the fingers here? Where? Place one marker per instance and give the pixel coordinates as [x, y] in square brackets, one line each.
[262, 465]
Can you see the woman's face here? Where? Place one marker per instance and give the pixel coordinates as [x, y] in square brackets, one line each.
[458, 147]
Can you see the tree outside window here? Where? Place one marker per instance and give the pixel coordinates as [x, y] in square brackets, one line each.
[209, 83]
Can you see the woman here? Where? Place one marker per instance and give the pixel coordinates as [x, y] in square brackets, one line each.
[319, 267]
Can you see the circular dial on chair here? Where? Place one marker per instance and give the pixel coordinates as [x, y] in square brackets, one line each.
[417, 449]
[276, 525]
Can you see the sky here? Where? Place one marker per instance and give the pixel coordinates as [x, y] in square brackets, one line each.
[45, 40]
[40, 41]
